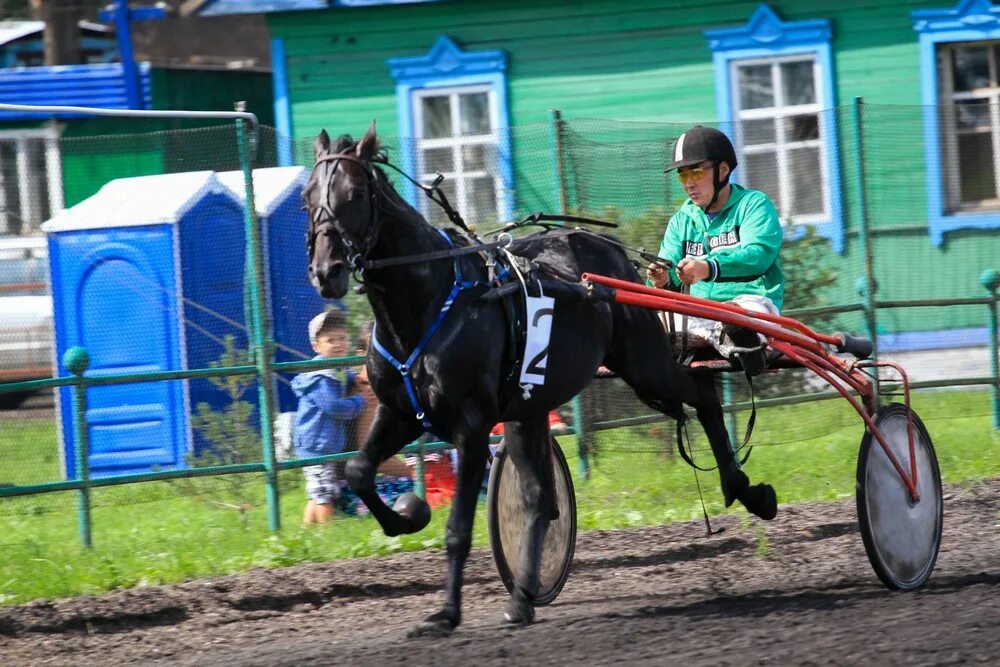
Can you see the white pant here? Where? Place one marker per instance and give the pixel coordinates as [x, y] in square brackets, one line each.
[705, 331]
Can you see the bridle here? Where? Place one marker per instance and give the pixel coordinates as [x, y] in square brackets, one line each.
[356, 251]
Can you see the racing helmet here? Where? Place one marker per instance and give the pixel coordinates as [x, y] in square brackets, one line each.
[702, 143]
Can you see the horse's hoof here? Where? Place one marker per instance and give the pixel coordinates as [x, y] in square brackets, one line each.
[439, 624]
[415, 509]
[519, 613]
[760, 499]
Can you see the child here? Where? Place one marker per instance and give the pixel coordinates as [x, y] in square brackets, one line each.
[324, 412]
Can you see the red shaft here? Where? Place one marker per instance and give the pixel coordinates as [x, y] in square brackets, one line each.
[710, 312]
[687, 298]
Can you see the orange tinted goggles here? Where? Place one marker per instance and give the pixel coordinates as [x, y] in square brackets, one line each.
[692, 174]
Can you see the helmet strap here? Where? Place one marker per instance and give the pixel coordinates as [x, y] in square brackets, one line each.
[715, 185]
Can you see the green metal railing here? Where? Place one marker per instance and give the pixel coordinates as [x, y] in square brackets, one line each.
[263, 366]
[76, 360]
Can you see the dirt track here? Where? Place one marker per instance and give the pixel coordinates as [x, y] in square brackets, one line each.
[798, 590]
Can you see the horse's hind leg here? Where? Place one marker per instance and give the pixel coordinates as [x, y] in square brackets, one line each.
[529, 448]
[759, 499]
[642, 358]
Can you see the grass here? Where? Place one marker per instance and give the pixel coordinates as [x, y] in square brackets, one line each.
[155, 533]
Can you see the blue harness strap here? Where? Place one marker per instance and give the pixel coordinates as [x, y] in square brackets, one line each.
[404, 366]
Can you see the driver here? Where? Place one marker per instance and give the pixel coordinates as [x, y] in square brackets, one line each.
[724, 243]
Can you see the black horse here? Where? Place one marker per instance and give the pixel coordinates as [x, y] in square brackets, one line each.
[464, 379]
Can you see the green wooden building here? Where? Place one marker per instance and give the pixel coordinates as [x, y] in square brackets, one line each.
[466, 89]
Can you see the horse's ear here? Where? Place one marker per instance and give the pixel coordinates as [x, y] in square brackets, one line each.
[322, 144]
[368, 146]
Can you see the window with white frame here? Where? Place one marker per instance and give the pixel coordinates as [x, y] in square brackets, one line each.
[453, 120]
[970, 122]
[774, 83]
[456, 137]
[780, 133]
[960, 93]
[30, 179]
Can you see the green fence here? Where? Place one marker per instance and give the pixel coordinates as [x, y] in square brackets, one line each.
[865, 263]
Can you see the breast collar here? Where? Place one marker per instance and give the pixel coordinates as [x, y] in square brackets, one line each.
[404, 367]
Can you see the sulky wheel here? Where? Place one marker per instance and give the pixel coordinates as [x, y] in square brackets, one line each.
[901, 537]
[505, 518]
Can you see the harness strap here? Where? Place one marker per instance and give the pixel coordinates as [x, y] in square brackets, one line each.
[433, 192]
[404, 366]
[750, 422]
[437, 254]
[681, 435]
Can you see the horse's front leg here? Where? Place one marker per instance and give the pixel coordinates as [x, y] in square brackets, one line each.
[530, 450]
[472, 449]
[388, 434]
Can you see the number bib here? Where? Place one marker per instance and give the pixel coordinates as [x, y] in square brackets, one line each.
[536, 345]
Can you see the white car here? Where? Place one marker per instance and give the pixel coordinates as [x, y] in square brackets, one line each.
[25, 314]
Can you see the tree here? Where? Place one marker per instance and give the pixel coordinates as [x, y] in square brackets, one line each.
[62, 31]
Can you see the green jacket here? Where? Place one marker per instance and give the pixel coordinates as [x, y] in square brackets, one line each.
[741, 245]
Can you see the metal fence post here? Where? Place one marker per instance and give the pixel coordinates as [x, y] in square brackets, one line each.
[560, 172]
[990, 279]
[259, 326]
[727, 402]
[420, 471]
[76, 360]
[866, 285]
[579, 419]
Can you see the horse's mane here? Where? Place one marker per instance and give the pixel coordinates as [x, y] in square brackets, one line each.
[345, 143]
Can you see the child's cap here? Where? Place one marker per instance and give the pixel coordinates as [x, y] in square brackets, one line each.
[326, 320]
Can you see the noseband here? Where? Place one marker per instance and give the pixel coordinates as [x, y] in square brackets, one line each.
[357, 252]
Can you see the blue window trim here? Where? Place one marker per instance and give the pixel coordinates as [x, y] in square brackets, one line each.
[968, 21]
[765, 35]
[448, 66]
[282, 103]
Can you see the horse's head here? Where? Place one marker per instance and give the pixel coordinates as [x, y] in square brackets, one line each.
[341, 198]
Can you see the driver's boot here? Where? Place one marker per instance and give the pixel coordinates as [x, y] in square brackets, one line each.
[753, 355]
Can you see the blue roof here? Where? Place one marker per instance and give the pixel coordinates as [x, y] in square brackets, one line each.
[100, 85]
[223, 7]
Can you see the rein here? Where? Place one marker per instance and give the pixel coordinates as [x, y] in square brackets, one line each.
[359, 262]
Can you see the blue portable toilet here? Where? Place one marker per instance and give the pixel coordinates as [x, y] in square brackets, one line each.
[291, 298]
[147, 275]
